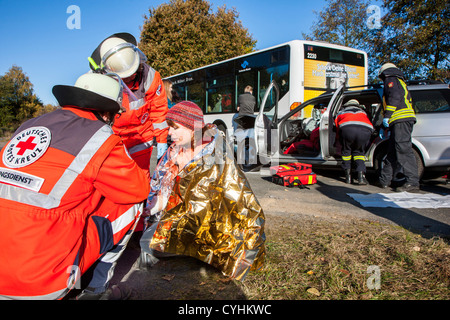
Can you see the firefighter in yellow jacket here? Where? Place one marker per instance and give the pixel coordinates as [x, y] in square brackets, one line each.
[399, 119]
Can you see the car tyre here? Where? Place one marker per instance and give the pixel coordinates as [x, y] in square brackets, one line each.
[380, 155]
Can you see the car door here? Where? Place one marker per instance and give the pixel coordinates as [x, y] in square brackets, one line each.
[266, 133]
[326, 124]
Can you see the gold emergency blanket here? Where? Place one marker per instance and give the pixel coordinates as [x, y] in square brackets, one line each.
[213, 215]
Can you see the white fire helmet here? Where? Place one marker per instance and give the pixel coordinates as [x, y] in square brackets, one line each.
[386, 66]
[92, 91]
[121, 57]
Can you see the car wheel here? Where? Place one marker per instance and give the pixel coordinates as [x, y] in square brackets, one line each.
[381, 154]
[420, 166]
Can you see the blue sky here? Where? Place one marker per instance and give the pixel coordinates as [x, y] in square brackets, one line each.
[35, 36]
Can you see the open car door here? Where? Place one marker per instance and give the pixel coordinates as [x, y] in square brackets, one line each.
[266, 133]
[326, 123]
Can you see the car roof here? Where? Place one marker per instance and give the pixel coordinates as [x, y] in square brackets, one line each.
[429, 86]
[376, 87]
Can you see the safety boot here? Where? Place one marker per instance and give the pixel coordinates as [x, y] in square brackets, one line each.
[348, 176]
[361, 178]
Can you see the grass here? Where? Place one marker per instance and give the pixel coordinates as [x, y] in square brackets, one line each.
[319, 259]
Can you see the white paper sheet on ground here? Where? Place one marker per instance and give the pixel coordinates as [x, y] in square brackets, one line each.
[402, 200]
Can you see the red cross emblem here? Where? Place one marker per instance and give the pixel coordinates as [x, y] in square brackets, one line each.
[20, 152]
[27, 145]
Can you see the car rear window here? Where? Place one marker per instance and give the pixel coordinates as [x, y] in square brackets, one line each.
[426, 101]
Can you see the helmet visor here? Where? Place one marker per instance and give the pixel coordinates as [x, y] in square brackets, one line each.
[124, 59]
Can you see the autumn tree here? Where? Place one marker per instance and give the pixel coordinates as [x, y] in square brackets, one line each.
[344, 22]
[186, 34]
[17, 99]
[415, 35]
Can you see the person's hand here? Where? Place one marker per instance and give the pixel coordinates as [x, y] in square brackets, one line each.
[386, 122]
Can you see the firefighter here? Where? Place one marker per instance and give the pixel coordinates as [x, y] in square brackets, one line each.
[144, 99]
[70, 196]
[354, 131]
[399, 119]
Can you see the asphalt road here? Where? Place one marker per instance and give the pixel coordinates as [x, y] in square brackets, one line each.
[328, 199]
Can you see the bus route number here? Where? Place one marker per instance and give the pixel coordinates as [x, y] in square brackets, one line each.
[310, 55]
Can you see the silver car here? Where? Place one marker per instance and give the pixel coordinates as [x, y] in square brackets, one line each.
[315, 136]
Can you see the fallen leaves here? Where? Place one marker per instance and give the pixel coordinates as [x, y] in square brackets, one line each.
[347, 273]
[168, 277]
[313, 291]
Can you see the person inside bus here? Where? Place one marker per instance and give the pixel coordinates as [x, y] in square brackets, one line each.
[217, 104]
[168, 88]
[200, 203]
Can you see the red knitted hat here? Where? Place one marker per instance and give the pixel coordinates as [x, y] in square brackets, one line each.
[187, 114]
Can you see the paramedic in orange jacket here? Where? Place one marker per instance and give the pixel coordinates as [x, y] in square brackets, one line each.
[354, 131]
[70, 196]
[144, 99]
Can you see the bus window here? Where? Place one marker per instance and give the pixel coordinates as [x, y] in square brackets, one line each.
[180, 92]
[195, 92]
[220, 94]
[280, 74]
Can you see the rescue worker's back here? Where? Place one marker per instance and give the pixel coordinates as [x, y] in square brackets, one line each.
[65, 180]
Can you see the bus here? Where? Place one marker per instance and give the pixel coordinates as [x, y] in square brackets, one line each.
[303, 70]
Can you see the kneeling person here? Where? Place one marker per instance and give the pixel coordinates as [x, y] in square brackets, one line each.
[70, 195]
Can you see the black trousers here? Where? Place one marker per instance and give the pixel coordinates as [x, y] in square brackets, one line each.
[354, 140]
[400, 156]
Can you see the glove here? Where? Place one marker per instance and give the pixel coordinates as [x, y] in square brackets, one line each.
[162, 148]
[386, 122]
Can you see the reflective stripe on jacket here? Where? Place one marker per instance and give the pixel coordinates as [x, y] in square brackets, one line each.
[57, 173]
[397, 101]
[145, 118]
[353, 116]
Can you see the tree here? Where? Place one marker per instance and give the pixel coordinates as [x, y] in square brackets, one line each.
[45, 109]
[186, 34]
[17, 100]
[415, 35]
[344, 22]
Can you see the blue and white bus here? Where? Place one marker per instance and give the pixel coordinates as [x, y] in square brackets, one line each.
[302, 69]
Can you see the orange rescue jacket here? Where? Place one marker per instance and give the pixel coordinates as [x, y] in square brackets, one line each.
[65, 178]
[145, 118]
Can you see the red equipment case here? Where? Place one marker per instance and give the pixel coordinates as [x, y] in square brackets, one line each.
[293, 175]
